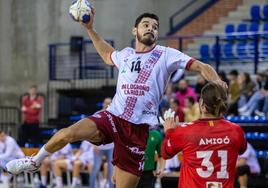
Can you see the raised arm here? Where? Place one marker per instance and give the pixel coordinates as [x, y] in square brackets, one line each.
[207, 71]
[103, 48]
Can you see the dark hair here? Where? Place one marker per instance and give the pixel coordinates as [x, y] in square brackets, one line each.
[215, 99]
[33, 86]
[190, 99]
[146, 15]
[175, 101]
[247, 77]
[233, 73]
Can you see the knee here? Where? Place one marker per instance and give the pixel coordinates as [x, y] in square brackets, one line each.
[65, 135]
[77, 164]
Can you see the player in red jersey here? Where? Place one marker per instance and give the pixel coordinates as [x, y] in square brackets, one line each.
[210, 145]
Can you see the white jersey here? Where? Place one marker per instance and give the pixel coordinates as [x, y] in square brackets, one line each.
[10, 149]
[106, 146]
[66, 151]
[142, 79]
[87, 152]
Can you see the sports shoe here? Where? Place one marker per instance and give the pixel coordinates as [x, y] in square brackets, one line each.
[20, 165]
[242, 109]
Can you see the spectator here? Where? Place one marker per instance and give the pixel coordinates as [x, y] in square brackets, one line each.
[253, 103]
[184, 91]
[49, 162]
[247, 165]
[31, 110]
[176, 107]
[99, 152]
[223, 77]
[247, 88]
[82, 160]
[234, 92]
[9, 150]
[151, 171]
[191, 110]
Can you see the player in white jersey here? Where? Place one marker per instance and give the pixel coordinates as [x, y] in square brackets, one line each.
[247, 165]
[143, 75]
[9, 150]
[48, 163]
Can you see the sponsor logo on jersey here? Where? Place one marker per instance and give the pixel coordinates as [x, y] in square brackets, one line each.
[145, 112]
[149, 105]
[212, 184]
[136, 150]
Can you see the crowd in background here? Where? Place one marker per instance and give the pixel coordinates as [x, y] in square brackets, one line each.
[247, 95]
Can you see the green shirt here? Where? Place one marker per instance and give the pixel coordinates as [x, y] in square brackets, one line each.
[153, 145]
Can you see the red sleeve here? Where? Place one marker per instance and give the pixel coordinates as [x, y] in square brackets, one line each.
[172, 143]
[243, 141]
[40, 100]
[24, 101]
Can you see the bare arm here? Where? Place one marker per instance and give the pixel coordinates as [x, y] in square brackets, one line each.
[207, 71]
[103, 48]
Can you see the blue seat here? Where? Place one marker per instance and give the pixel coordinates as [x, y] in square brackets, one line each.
[242, 28]
[241, 50]
[228, 51]
[264, 49]
[255, 13]
[254, 28]
[251, 49]
[229, 29]
[204, 52]
[265, 12]
[265, 29]
[213, 51]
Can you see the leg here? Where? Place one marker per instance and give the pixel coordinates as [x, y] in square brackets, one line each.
[96, 168]
[242, 101]
[84, 129]
[59, 167]
[43, 171]
[109, 157]
[243, 181]
[265, 106]
[125, 179]
[77, 165]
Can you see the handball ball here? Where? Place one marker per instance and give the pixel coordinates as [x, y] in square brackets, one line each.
[79, 11]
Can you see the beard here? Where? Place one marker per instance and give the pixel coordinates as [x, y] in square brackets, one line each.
[147, 39]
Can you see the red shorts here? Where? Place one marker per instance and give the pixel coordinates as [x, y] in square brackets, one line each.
[129, 140]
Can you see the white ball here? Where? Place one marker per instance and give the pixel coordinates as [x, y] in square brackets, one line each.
[79, 10]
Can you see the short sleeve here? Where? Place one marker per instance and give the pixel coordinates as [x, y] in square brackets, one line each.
[118, 57]
[173, 143]
[177, 60]
[242, 141]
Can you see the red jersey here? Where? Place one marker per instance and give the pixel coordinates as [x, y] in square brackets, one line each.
[31, 109]
[210, 148]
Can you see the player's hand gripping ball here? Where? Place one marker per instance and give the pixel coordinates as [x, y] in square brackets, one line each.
[80, 11]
